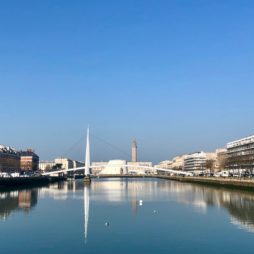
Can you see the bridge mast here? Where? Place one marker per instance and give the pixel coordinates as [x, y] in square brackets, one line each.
[87, 161]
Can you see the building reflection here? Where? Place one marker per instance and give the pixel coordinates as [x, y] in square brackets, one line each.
[239, 204]
[22, 200]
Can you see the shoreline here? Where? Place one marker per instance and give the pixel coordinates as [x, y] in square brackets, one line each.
[232, 183]
[26, 182]
[211, 181]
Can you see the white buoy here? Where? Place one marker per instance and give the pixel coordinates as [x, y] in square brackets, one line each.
[106, 224]
[154, 211]
[140, 202]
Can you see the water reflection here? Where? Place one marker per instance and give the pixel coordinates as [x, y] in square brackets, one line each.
[86, 208]
[239, 204]
[23, 200]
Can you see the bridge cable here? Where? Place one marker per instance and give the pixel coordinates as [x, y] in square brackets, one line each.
[114, 147]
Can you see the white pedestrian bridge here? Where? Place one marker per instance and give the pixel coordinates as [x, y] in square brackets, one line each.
[155, 170]
[87, 168]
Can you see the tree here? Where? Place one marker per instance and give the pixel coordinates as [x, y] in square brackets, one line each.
[47, 168]
[210, 164]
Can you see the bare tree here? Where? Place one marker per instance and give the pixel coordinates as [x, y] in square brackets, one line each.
[210, 164]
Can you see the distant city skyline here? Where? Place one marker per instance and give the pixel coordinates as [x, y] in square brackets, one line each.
[166, 72]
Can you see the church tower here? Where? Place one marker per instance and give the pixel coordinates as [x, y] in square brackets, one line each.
[134, 152]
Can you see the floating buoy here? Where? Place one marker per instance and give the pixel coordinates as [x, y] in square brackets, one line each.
[154, 211]
[106, 224]
[140, 202]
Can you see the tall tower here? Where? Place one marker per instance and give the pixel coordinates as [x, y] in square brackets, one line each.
[134, 151]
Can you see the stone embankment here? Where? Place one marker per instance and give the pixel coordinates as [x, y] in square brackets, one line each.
[242, 183]
[21, 182]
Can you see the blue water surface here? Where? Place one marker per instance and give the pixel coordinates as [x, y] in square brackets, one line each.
[126, 216]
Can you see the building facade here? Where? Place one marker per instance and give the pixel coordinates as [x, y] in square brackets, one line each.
[240, 154]
[97, 167]
[9, 159]
[46, 165]
[221, 159]
[141, 167]
[178, 162]
[64, 163]
[29, 160]
[115, 167]
[164, 164]
[195, 162]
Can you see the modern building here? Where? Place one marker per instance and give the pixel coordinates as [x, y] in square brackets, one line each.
[178, 162]
[46, 165]
[29, 160]
[164, 164]
[115, 167]
[9, 159]
[221, 159]
[141, 167]
[134, 151]
[211, 156]
[240, 154]
[211, 159]
[64, 163]
[195, 162]
[97, 167]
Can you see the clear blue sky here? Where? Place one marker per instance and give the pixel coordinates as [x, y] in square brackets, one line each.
[177, 75]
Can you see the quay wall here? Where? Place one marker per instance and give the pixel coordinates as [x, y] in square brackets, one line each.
[246, 184]
[15, 182]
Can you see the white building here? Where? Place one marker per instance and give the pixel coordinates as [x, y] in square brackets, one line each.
[140, 167]
[195, 162]
[221, 159]
[46, 165]
[211, 156]
[115, 167]
[178, 162]
[97, 167]
[64, 163]
[164, 164]
[240, 154]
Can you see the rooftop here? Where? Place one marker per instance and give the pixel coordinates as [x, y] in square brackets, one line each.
[8, 149]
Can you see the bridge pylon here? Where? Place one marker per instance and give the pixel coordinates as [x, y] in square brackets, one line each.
[87, 178]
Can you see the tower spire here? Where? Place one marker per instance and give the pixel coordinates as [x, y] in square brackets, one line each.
[134, 153]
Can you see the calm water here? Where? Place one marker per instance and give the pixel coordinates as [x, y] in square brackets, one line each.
[174, 218]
